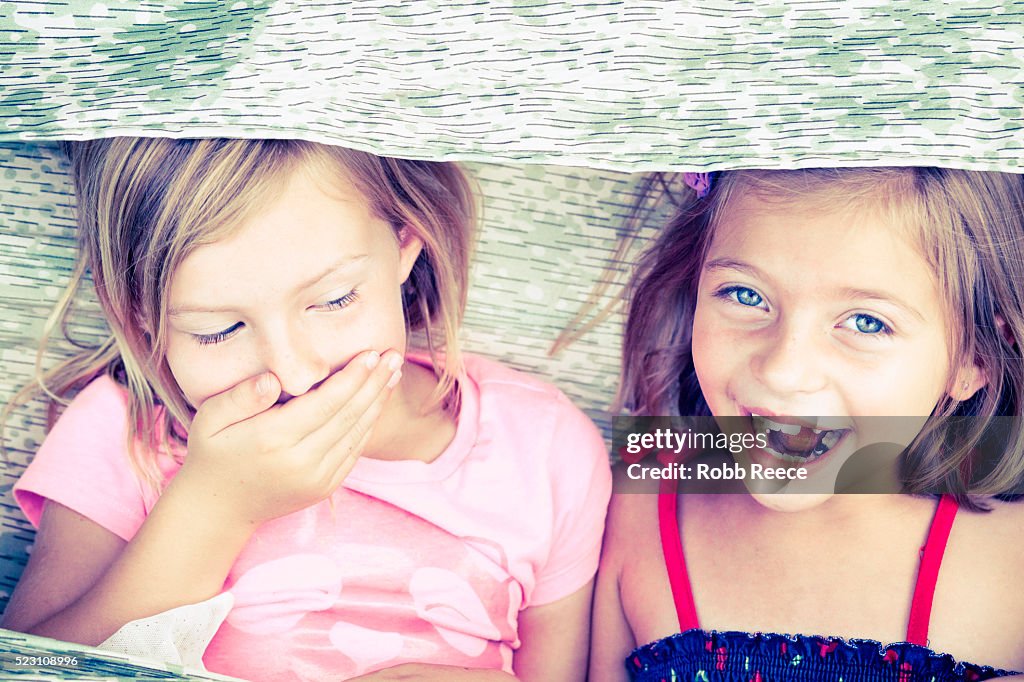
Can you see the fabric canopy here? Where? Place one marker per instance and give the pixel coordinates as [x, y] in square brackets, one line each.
[623, 85]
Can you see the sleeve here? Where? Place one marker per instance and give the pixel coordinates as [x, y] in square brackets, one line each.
[581, 487]
[84, 464]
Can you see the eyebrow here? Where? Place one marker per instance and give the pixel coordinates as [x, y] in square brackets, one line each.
[344, 264]
[885, 297]
[731, 264]
[846, 293]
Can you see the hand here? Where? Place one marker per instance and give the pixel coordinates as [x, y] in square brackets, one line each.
[253, 461]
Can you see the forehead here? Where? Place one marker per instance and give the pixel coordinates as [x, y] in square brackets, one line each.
[881, 196]
[804, 212]
[820, 245]
[311, 223]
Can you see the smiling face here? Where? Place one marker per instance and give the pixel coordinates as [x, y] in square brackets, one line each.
[808, 312]
[298, 289]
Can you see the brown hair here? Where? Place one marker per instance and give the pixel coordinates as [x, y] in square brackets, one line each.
[144, 204]
[971, 227]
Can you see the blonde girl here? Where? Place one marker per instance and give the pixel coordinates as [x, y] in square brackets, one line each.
[257, 424]
[806, 304]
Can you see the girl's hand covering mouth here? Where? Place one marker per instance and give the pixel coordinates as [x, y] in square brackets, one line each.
[261, 460]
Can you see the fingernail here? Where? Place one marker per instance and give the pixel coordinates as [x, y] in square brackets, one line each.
[372, 359]
[263, 385]
[394, 362]
[395, 378]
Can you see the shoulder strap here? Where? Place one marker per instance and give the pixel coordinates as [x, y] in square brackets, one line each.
[675, 562]
[928, 573]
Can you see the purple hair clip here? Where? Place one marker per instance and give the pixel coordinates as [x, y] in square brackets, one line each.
[700, 182]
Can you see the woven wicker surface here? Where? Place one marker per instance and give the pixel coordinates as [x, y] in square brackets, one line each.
[27, 657]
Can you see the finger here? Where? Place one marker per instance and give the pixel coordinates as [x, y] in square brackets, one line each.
[240, 402]
[349, 417]
[341, 457]
[339, 400]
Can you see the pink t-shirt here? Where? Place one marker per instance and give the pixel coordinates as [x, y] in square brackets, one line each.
[412, 562]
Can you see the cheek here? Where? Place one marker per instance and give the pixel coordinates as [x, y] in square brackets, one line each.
[913, 381]
[903, 375]
[201, 371]
[712, 354]
[701, 333]
[376, 322]
[379, 323]
[339, 338]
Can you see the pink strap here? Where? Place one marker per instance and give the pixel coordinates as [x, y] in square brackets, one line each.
[924, 589]
[928, 573]
[672, 547]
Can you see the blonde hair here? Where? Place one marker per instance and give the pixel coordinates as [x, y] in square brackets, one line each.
[144, 204]
[970, 225]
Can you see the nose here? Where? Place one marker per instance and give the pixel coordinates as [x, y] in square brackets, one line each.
[290, 352]
[790, 360]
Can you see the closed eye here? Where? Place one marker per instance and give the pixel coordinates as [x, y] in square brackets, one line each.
[225, 334]
[210, 339]
[340, 303]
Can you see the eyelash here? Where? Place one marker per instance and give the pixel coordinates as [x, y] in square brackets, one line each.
[343, 302]
[886, 330]
[335, 304]
[211, 339]
[731, 293]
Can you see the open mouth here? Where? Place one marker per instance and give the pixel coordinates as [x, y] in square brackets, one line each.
[796, 443]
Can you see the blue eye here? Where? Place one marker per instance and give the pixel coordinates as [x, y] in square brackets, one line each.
[743, 295]
[748, 297]
[210, 339]
[343, 302]
[867, 324]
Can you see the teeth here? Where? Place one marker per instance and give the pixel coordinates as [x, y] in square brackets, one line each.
[766, 425]
[828, 441]
[788, 458]
[791, 429]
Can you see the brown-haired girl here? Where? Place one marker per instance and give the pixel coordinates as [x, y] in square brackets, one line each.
[256, 424]
[846, 295]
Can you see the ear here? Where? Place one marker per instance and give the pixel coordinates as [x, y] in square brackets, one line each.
[1004, 329]
[968, 381]
[409, 248]
[971, 379]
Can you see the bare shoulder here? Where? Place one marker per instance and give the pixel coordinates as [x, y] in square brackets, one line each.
[978, 588]
[1000, 543]
[998, 533]
[1010, 513]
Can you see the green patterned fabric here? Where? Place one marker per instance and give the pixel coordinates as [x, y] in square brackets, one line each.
[552, 104]
[626, 85]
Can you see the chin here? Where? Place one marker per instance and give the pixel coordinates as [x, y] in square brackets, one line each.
[790, 502]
